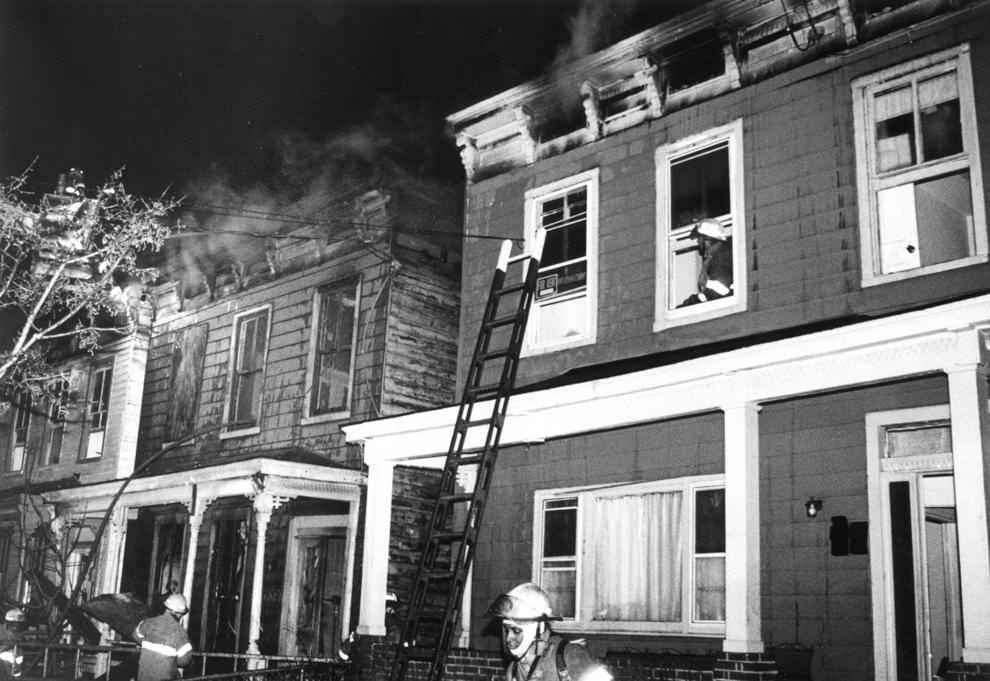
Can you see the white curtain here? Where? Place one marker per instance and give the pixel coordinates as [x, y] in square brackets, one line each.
[637, 557]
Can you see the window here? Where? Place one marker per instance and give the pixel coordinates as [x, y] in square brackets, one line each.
[19, 435]
[188, 354]
[920, 187]
[646, 557]
[335, 316]
[98, 411]
[55, 426]
[564, 312]
[247, 369]
[701, 229]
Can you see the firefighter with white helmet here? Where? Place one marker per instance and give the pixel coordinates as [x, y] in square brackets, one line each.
[525, 612]
[164, 644]
[11, 632]
[715, 268]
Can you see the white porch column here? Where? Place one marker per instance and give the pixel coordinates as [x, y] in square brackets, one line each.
[970, 449]
[742, 529]
[264, 504]
[374, 566]
[195, 523]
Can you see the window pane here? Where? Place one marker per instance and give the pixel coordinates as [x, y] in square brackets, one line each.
[945, 218]
[709, 521]
[895, 129]
[561, 586]
[334, 349]
[709, 585]
[700, 186]
[560, 530]
[563, 244]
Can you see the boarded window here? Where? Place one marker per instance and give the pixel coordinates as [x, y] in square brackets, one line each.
[188, 352]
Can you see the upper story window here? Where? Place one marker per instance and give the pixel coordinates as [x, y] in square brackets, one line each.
[334, 339]
[701, 229]
[19, 433]
[565, 311]
[98, 412]
[247, 368]
[918, 171]
[646, 557]
[55, 425]
[188, 353]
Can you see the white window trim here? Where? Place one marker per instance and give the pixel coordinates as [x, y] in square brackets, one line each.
[533, 199]
[228, 431]
[582, 623]
[89, 432]
[732, 133]
[18, 451]
[314, 334]
[864, 136]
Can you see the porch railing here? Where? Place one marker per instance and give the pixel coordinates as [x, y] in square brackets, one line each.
[61, 662]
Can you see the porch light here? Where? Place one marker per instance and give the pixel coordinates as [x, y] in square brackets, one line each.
[812, 506]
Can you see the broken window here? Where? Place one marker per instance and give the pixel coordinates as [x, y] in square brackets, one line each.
[98, 412]
[919, 179]
[248, 369]
[188, 353]
[19, 435]
[563, 314]
[55, 426]
[692, 60]
[335, 318]
[700, 234]
[650, 556]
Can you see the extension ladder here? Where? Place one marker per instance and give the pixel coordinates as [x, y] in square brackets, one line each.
[433, 612]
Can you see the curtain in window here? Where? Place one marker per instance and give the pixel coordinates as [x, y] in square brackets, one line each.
[637, 557]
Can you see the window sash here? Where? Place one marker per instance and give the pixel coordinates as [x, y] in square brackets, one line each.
[247, 375]
[333, 352]
[99, 401]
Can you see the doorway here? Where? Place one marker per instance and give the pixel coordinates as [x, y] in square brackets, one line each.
[917, 591]
[228, 555]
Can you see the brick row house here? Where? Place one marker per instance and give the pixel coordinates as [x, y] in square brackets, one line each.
[787, 475]
[225, 476]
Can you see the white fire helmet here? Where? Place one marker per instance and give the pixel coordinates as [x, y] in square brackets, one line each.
[177, 604]
[711, 228]
[524, 602]
[14, 615]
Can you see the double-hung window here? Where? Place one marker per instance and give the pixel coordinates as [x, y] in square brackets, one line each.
[645, 557]
[55, 427]
[701, 236]
[565, 311]
[334, 339]
[918, 168]
[19, 436]
[98, 411]
[247, 369]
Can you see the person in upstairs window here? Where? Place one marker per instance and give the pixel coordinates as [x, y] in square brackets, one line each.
[11, 632]
[715, 270]
[164, 644]
[537, 653]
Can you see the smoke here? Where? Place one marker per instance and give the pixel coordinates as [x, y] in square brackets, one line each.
[597, 24]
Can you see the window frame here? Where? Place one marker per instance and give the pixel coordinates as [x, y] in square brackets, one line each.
[731, 137]
[534, 199]
[105, 370]
[869, 181]
[582, 621]
[231, 428]
[19, 434]
[55, 422]
[353, 284]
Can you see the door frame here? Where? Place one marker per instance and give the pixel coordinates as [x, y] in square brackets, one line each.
[880, 472]
[290, 604]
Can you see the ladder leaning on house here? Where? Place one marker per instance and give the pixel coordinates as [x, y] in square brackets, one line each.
[435, 599]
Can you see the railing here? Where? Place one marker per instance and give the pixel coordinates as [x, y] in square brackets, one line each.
[119, 663]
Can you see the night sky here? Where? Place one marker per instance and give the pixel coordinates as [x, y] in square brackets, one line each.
[257, 91]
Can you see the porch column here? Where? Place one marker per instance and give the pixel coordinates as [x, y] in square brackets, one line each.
[264, 504]
[742, 529]
[195, 523]
[970, 446]
[374, 566]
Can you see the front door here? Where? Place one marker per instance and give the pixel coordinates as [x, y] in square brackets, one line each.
[321, 563]
[919, 625]
[228, 554]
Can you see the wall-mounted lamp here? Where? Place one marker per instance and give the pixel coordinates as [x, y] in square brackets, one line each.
[812, 507]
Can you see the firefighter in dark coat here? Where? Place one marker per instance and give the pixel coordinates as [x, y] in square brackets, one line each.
[164, 644]
[537, 653]
[715, 267]
[10, 634]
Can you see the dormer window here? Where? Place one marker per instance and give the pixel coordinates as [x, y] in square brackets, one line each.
[692, 60]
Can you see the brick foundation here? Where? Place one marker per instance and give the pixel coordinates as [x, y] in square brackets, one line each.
[745, 667]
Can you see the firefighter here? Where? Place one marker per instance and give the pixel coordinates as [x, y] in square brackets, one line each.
[537, 653]
[715, 270]
[164, 644]
[10, 634]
